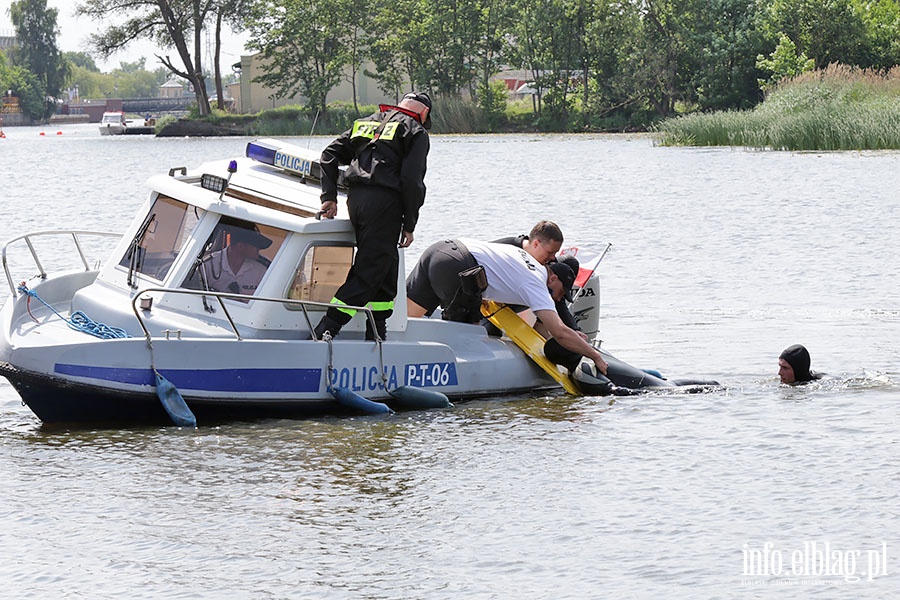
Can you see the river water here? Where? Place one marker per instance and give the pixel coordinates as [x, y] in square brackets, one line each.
[720, 259]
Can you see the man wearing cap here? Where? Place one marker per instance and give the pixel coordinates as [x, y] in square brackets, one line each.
[236, 268]
[386, 155]
[513, 276]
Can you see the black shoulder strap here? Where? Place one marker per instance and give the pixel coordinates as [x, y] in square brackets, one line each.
[387, 119]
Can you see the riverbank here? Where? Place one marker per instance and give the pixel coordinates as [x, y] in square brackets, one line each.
[837, 108]
[452, 118]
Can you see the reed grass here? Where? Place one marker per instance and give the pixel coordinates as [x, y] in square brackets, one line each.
[836, 108]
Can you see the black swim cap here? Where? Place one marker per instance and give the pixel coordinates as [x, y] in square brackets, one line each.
[798, 357]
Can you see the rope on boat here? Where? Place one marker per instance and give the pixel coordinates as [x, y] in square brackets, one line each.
[79, 321]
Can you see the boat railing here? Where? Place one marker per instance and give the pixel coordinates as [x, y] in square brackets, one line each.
[29, 237]
[140, 304]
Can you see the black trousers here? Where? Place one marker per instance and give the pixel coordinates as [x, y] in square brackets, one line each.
[376, 214]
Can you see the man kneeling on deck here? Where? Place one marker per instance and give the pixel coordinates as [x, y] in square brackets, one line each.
[457, 274]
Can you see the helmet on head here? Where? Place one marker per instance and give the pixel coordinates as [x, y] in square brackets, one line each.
[419, 103]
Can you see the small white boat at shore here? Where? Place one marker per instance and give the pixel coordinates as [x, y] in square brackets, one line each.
[115, 123]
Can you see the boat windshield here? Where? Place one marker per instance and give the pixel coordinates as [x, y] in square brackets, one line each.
[162, 235]
[235, 257]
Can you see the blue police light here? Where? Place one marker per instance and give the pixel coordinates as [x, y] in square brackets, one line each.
[261, 152]
[285, 157]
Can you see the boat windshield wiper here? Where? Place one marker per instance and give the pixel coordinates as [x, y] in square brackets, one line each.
[197, 268]
[135, 251]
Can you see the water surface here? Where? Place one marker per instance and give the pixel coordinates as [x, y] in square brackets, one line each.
[720, 259]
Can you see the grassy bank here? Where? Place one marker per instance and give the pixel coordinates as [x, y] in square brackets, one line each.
[837, 108]
[453, 117]
[449, 117]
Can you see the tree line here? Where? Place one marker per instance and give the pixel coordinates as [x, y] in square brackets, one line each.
[591, 63]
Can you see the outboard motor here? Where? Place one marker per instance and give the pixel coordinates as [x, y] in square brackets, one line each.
[586, 307]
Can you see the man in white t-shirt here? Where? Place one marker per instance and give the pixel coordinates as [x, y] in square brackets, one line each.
[513, 276]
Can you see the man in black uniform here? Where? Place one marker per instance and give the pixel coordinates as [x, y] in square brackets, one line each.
[386, 153]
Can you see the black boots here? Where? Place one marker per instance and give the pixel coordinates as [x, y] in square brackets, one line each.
[334, 328]
[380, 327]
[327, 324]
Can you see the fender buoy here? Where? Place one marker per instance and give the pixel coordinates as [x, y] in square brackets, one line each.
[413, 398]
[353, 400]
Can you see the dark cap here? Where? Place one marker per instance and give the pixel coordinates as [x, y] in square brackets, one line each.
[568, 259]
[566, 276]
[798, 357]
[424, 99]
[249, 236]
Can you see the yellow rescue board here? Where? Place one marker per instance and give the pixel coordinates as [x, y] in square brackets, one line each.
[526, 338]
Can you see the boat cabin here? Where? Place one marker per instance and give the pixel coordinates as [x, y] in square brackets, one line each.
[244, 228]
[113, 118]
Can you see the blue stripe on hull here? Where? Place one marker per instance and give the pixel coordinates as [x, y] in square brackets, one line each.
[213, 380]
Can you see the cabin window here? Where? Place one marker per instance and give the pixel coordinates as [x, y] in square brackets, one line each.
[321, 272]
[161, 237]
[235, 257]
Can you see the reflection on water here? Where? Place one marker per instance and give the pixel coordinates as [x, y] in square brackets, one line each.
[720, 259]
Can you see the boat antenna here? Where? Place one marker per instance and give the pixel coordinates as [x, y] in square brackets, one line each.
[312, 129]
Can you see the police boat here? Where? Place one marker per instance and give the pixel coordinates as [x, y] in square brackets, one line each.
[168, 328]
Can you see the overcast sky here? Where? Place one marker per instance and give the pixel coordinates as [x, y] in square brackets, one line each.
[73, 35]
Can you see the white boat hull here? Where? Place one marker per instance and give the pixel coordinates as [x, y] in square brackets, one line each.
[65, 375]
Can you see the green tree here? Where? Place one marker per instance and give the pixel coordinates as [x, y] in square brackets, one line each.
[726, 41]
[664, 63]
[546, 41]
[233, 13]
[177, 24]
[399, 46]
[136, 83]
[609, 51]
[91, 84]
[783, 63]
[452, 30]
[827, 31]
[133, 67]
[303, 47]
[881, 20]
[36, 31]
[25, 85]
[496, 19]
[357, 43]
[81, 59]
